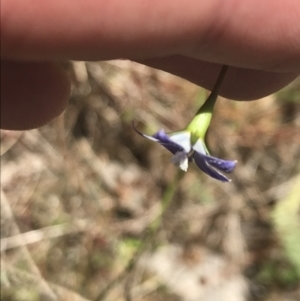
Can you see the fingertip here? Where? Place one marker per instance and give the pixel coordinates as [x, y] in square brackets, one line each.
[32, 94]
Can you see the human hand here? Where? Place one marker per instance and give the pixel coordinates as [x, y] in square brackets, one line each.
[258, 40]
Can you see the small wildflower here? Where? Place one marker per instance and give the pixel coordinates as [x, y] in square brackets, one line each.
[188, 145]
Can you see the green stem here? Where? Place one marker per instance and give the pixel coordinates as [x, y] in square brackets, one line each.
[200, 123]
[211, 100]
[166, 199]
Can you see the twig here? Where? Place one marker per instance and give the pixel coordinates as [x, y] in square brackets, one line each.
[30, 237]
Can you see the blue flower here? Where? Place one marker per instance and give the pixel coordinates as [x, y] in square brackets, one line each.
[180, 145]
[188, 145]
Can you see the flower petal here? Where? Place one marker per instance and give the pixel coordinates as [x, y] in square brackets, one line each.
[200, 147]
[181, 159]
[165, 141]
[183, 139]
[223, 165]
[201, 163]
[162, 138]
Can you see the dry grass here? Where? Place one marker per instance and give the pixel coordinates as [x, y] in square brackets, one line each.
[82, 197]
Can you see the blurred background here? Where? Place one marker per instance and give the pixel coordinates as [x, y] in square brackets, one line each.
[92, 211]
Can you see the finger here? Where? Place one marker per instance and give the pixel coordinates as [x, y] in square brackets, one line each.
[239, 84]
[32, 94]
[248, 34]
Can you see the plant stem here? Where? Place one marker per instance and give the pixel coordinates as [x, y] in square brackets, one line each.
[211, 100]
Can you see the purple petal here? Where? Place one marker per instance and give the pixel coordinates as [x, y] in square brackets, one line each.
[223, 165]
[201, 163]
[165, 141]
[162, 138]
